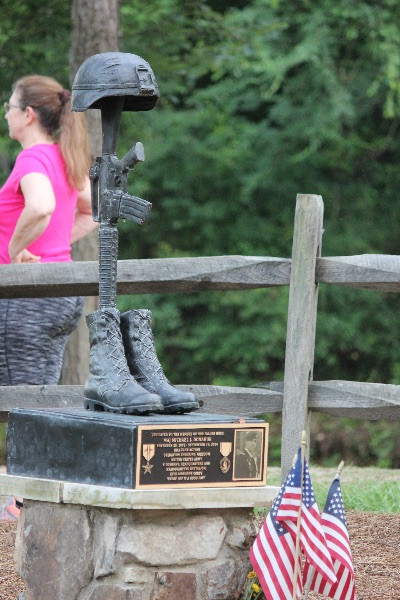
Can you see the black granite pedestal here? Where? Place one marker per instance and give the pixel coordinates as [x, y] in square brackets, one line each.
[101, 448]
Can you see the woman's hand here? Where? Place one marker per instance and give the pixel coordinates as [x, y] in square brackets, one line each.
[25, 257]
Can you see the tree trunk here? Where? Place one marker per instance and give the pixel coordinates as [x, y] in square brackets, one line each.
[95, 29]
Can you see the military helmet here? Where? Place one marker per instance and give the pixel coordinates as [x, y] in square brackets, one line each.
[114, 74]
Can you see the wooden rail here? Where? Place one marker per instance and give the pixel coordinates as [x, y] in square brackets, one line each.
[380, 272]
[299, 395]
[194, 274]
[372, 401]
[158, 275]
[243, 402]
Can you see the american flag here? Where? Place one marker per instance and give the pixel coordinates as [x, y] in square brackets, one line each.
[312, 536]
[273, 555]
[337, 537]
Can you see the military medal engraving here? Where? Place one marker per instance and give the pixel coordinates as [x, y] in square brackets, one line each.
[225, 449]
[148, 453]
[202, 455]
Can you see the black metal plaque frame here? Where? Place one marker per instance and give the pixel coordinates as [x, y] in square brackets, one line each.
[198, 455]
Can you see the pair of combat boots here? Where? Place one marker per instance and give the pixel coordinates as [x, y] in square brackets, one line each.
[125, 375]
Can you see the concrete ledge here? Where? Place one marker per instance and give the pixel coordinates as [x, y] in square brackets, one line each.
[31, 488]
[61, 492]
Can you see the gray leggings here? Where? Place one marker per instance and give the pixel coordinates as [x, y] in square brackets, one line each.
[33, 336]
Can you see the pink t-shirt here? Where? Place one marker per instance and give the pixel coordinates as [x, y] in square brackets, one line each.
[53, 245]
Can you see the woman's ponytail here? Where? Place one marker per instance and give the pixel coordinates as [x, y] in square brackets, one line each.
[73, 140]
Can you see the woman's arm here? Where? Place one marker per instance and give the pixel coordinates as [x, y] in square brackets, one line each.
[83, 223]
[40, 203]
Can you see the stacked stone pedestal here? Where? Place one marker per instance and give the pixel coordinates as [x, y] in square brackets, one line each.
[80, 553]
[87, 542]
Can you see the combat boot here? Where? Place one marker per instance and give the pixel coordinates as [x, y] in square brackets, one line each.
[110, 385]
[144, 365]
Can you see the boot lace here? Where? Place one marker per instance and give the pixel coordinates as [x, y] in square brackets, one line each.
[120, 373]
[148, 356]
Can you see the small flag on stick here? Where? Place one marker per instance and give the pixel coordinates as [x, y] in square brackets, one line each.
[312, 537]
[273, 554]
[335, 528]
[294, 517]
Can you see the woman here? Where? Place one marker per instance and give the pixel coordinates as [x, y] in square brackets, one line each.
[44, 207]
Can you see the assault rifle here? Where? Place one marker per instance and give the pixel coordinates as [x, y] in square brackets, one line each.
[110, 200]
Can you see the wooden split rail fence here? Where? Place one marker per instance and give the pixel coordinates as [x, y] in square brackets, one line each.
[298, 395]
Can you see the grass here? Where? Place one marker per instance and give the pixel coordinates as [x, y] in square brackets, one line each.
[364, 489]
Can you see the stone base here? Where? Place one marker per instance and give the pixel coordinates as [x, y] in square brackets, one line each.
[87, 542]
[71, 552]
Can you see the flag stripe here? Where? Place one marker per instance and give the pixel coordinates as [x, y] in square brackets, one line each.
[338, 552]
[312, 537]
[315, 546]
[281, 561]
[313, 541]
[274, 569]
[337, 539]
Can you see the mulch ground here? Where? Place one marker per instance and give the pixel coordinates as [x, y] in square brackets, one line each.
[11, 585]
[375, 543]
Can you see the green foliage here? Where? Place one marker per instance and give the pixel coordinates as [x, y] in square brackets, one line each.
[357, 442]
[227, 342]
[374, 497]
[34, 38]
[252, 589]
[357, 336]
[260, 101]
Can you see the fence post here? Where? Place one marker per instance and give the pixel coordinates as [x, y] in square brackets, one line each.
[300, 337]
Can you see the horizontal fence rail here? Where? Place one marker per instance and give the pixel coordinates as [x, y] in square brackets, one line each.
[371, 401]
[380, 272]
[193, 274]
[158, 275]
[354, 399]
[236, 401]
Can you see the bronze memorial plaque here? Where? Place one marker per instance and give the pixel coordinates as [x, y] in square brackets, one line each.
[202, 455]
